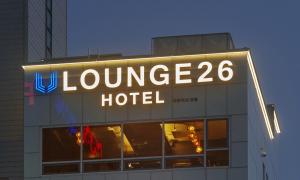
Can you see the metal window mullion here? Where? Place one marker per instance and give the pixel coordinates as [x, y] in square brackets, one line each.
[81, 150]
[122, 146]
[61, 162]
[185, 156]
[163, 145]
[218, 149]
[101, 160]
[143, 158]
[205, 141]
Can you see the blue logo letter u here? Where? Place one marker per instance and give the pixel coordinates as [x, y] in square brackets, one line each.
[42, 88]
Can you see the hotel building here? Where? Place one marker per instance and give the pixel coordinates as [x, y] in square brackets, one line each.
[192, 110]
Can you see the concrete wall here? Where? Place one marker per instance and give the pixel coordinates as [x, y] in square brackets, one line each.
[214, 100]
[12, 45]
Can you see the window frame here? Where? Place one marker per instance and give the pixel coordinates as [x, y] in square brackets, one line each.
[228, 119]
[122, 159]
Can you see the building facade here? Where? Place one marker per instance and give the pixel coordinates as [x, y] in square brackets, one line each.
[23, 32]
[192, 110]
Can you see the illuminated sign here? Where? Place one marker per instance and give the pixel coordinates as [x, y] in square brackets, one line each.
[157, 75]
[39, 84]
[135, 77]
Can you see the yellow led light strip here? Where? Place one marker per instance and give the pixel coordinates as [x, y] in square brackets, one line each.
[259, 95]
[277, 128]
[143, 59]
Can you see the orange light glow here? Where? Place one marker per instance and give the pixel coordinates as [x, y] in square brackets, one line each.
[199, 149]
[194, 140]
[192, 135]
[191, 128]
[78, 141]
[78, 134]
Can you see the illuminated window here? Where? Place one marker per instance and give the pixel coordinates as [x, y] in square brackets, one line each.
[60, 144]
[142, 164]
[142, 139]
[184, 162]
[135, 146]
[217, 134]
[217, 158]
[184, 138]
[101, 166]
[61, 168]
[217, 143]
[101, 142]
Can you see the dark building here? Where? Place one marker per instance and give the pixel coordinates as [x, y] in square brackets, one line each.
[30, 31]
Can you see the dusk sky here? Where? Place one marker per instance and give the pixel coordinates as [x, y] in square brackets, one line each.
[270, 28]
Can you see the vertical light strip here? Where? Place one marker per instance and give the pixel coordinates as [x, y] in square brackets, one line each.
[259, 95]
[277, 128]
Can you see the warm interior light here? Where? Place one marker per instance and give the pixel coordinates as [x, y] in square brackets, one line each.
[199, 149]
[78, 136]
[191, 128]
[192, 135]
[78, 141]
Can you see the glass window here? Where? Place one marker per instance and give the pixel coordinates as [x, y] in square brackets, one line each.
[183, 138]
[142, 139]
[217, 134]
[61, 144]
[101, 142]
[184, 162]
[102, 166]
[142, 164]
[99, 148]
[217, 158]
[61, 168]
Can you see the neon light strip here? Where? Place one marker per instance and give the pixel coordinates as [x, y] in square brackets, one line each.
[38, 83]
[53, 82]
[277, 128]
[259, 95]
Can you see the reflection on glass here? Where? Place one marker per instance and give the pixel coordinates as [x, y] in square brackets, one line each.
[142, 139]
[216, 134]
[61, 168]
[101, 166]
[101, 142]
[184, 162]
[60, 144]
[142, 164]
[217, 158]
[183, 138]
